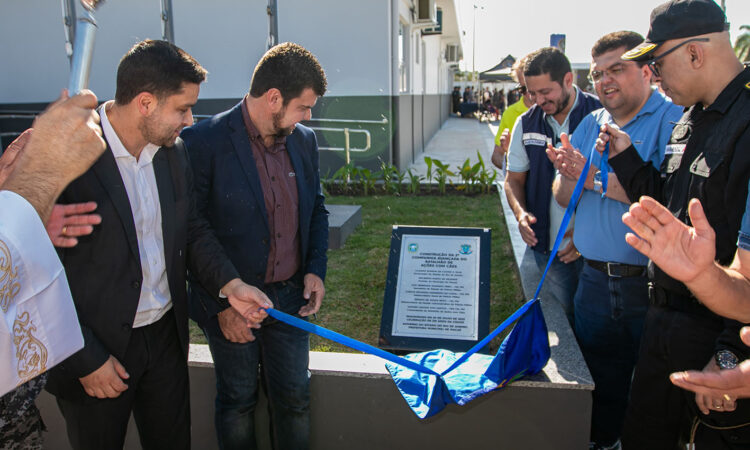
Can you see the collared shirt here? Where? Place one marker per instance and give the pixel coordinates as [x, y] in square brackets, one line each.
[279, 182]
[39, 325]
[140, 184]
[518, 161]
[599, 232]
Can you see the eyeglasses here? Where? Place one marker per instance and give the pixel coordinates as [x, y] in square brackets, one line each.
[656, 70]
[523, 89]
[614, 71]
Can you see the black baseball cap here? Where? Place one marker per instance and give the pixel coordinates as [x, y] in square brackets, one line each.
[678, 19]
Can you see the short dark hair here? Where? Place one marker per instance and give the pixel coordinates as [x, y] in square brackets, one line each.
[549, 60]
[157, 67]
[615, 40]
[291, 69]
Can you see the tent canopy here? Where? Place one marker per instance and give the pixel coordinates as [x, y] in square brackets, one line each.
[501, 71]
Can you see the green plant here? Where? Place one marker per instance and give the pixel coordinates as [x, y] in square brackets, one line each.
[326, 180]
[400, 176]
[442, 172]
[486, 177]
[429, 161]
[414, 181]
[490, 180]
[391, 182]
[469, 172]
[366, 177]
[344, 175]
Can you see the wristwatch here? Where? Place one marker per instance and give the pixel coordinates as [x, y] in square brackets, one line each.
[726, 359]
[598, 181]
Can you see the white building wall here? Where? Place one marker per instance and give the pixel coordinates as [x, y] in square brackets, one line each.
[427, 72]
[33, 50]
[435, 71]
[353, 41]
[417, 63]
[227, 37]
[350, 39]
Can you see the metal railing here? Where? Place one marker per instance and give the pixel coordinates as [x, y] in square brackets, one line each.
[18, 114]
[347, 134]
[15, 115]
[383, 121]
[347, 148]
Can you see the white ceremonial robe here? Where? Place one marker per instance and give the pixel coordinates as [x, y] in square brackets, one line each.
[39, 326]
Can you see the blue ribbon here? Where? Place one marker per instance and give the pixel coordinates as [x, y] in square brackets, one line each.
[366, 348]
[346, 340]
[604, 169]
[566, 219]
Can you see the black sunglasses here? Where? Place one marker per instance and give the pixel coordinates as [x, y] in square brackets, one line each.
[652, 64]
[523, 89]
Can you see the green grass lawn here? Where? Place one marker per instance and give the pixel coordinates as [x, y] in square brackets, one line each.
[356, 273]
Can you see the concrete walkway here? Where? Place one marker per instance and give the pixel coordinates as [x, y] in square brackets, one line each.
[457, 140]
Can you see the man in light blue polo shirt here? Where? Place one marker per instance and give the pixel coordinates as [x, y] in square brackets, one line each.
[611, 301]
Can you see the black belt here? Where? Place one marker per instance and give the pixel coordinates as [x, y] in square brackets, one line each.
[663, 298]
[616, 269]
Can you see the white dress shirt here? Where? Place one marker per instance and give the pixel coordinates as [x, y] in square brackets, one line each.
[39, 326]
[140, 184]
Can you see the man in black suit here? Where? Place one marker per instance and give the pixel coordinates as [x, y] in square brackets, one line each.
[257, 183]
[128, 278]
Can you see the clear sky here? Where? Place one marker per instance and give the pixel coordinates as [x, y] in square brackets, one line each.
[518, 27]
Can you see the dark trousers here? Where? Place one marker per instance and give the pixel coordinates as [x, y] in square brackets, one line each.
[609, 316]
[277, 360]
[660, 414]
[157, 395]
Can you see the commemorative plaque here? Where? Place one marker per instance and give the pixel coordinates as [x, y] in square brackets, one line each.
[437, 289]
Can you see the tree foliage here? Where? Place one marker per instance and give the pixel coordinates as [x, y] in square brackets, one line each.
[742, 44]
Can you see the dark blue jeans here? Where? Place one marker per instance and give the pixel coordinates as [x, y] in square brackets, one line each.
[609, 317]
[279, 357]
[561, 281]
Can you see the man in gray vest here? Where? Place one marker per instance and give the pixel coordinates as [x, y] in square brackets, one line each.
[560, 107]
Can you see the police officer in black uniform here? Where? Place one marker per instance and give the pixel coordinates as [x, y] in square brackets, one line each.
[708, 157]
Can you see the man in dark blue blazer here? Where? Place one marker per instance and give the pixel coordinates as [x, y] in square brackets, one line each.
[257, 183]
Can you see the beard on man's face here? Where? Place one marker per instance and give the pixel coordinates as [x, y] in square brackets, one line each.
[562, 103]
[157, 134]
[278, 130]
